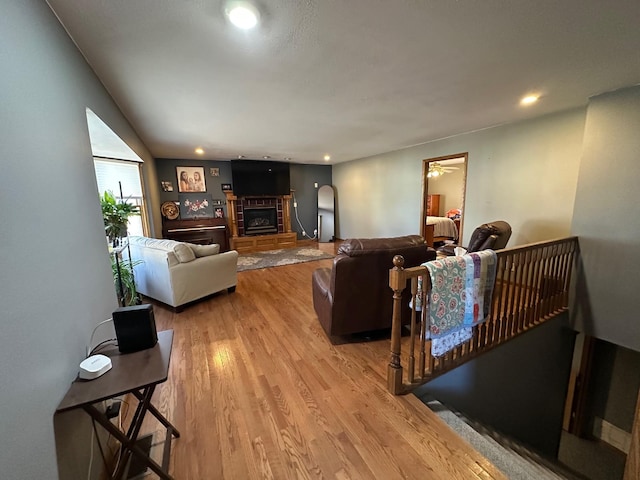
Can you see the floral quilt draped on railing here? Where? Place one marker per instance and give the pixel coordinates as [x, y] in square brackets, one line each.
[469, 312]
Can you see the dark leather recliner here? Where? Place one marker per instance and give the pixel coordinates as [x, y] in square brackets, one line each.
[354, 296]
[492, 235]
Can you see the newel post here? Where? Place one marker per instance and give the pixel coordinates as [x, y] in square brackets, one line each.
[397, 282]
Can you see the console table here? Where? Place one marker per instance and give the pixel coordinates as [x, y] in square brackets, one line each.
[136, 373]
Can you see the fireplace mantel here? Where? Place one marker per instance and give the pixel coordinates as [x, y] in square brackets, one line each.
[250, 243]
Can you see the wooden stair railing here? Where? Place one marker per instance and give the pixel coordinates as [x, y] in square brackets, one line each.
[532, 286]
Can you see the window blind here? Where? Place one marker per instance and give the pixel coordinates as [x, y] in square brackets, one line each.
[111, 173]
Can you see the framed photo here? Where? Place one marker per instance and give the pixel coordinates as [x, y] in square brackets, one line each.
[195, 205]
[191, 179]
[218, 212]
[215, 172]
[226, 187]
[217, 201]
[167, 186]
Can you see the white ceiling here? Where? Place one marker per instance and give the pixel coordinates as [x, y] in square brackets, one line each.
[351, 78]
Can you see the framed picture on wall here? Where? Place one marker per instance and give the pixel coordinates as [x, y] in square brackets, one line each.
[195, 205]
[218, 212]
[191, 179]
[226, 187]
[214, 172]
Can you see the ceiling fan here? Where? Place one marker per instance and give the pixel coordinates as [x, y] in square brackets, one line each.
[436, 170]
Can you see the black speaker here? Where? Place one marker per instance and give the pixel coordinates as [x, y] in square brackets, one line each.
[135, 328]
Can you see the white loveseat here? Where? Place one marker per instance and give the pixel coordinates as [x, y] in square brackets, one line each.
[177, 273]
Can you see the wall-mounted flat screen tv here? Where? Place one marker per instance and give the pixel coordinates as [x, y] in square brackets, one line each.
[260, 177]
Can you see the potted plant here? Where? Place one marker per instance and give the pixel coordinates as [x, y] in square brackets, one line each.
[116, 216]
[124, 281]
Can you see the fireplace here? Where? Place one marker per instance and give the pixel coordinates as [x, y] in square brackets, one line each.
[260, 220]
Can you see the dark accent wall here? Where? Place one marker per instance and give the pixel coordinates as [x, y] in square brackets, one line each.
[302, 177]
[518, 388]
[614, 385]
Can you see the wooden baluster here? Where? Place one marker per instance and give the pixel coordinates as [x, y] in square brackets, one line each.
[540, 285]
[571, 264]
[423, 332]
[520, 282]
[553, 293]
[510, 295]
[533, 287]
[536, 285]
[426, 324]
[559, 279]
[515, 308]
[482, 334]
[547, 283]
[526, 285]
[496, 309]
[517, 280]
[499, 311]
[397, 282]
[552, 280]
[412, 359]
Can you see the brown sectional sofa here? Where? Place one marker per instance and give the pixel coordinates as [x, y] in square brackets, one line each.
[354, 296]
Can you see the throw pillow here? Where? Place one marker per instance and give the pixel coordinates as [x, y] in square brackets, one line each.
[184, 253]
[205, 250]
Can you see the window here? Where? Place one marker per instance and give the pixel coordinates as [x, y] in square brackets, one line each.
[122, 178]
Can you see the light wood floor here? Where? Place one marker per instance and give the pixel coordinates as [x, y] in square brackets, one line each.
[258, 391]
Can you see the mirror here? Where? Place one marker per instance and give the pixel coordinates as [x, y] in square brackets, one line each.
[326, 218]
[444, 181]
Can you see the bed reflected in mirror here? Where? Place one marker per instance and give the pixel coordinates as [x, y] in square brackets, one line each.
[443, 195]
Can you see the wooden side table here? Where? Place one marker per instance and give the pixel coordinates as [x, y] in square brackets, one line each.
[137, 373]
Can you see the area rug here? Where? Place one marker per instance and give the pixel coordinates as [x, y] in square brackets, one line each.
[276, 258]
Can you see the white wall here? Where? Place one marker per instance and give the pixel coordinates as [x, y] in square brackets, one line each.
[54, 268]
[524, 173]
[607, 220]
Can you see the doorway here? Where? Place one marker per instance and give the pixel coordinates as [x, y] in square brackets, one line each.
[444, 184]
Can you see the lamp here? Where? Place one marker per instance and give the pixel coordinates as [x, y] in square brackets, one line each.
[242, 14]
[435, 170]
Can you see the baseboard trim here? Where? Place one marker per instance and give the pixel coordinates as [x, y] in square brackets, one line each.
[612, 435]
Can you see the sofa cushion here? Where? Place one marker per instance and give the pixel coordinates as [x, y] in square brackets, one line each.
[204, 250]
[155, 243]
[184, 253]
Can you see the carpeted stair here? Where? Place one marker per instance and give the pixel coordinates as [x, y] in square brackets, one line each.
[512, 459]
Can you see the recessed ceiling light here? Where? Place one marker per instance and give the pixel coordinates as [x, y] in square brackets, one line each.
[199, 151]
[287, 158]
[266, 157]
[529, 99]
[327, 158]
[242, 14]
[241, 156]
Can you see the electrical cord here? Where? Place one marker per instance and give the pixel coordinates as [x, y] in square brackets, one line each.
[295, 209]
[89, 349]
[103, 344]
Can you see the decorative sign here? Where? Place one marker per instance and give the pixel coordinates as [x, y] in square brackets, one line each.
[195, 205]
